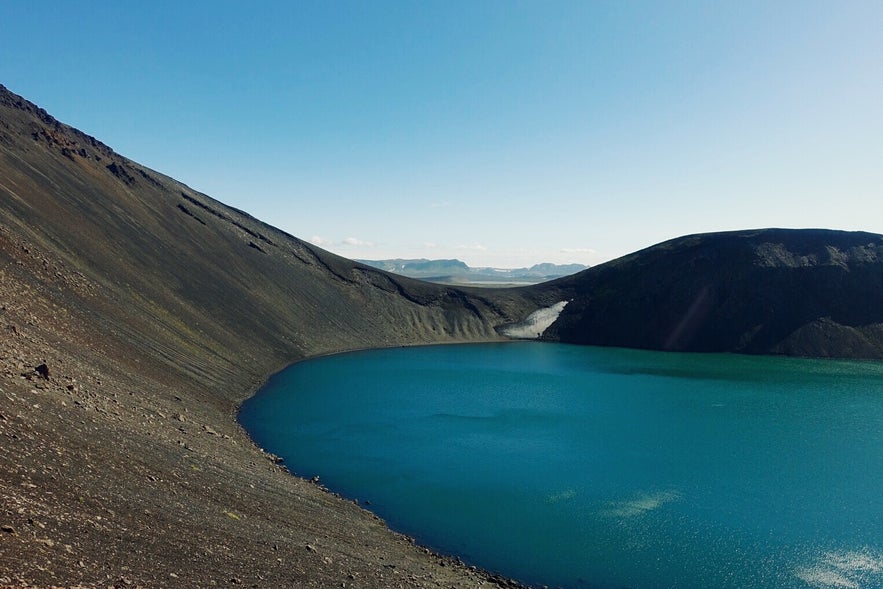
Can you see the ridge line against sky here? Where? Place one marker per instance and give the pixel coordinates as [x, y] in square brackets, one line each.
[501, 133]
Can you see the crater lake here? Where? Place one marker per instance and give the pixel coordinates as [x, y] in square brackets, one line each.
[579, 466]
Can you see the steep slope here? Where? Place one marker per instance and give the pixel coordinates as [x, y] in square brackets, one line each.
[776, 291]
[146, 238]
[135, 315]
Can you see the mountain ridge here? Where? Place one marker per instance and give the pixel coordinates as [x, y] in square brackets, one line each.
[454, 271]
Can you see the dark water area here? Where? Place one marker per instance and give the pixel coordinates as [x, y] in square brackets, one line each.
[593, 467]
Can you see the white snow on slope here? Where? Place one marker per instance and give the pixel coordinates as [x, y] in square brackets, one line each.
[535, 324]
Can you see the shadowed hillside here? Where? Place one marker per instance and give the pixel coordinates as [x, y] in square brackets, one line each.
[136, 313]
[773, 291]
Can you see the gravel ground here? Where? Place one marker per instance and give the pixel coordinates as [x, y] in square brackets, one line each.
[135, 316]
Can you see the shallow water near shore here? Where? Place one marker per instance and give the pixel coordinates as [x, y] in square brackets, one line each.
[595, 467]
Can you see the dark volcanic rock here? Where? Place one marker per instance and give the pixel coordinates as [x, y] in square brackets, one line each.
[800, 292]
[43, 371]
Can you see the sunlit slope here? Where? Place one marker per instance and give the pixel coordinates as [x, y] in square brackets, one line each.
[799, 292]
[135, 314]
[198, 284]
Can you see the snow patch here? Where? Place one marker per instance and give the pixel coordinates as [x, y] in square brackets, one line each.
[535, 324]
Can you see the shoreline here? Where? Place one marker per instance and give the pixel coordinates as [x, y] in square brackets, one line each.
[137, 314]
[495, 578]
[51, 527]
[119, 472]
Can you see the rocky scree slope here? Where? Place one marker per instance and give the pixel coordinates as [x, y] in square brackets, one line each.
[135, 315]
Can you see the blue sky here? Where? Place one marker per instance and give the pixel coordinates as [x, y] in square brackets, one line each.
[500, 133]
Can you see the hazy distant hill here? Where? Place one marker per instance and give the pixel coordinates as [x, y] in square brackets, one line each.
[457, 272]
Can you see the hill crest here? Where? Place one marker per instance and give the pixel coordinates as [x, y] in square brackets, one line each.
[810, 292]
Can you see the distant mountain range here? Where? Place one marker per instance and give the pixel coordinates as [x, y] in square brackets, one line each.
[458, 272]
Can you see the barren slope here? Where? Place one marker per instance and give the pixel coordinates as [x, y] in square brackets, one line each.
[807, 292]
[156, 310]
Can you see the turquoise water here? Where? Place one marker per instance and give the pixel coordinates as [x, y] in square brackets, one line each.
[594, 467]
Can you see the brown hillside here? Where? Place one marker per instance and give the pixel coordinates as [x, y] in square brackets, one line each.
[136, 314]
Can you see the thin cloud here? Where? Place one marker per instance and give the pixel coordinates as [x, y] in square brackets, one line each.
[347, 242]
[354, 241]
